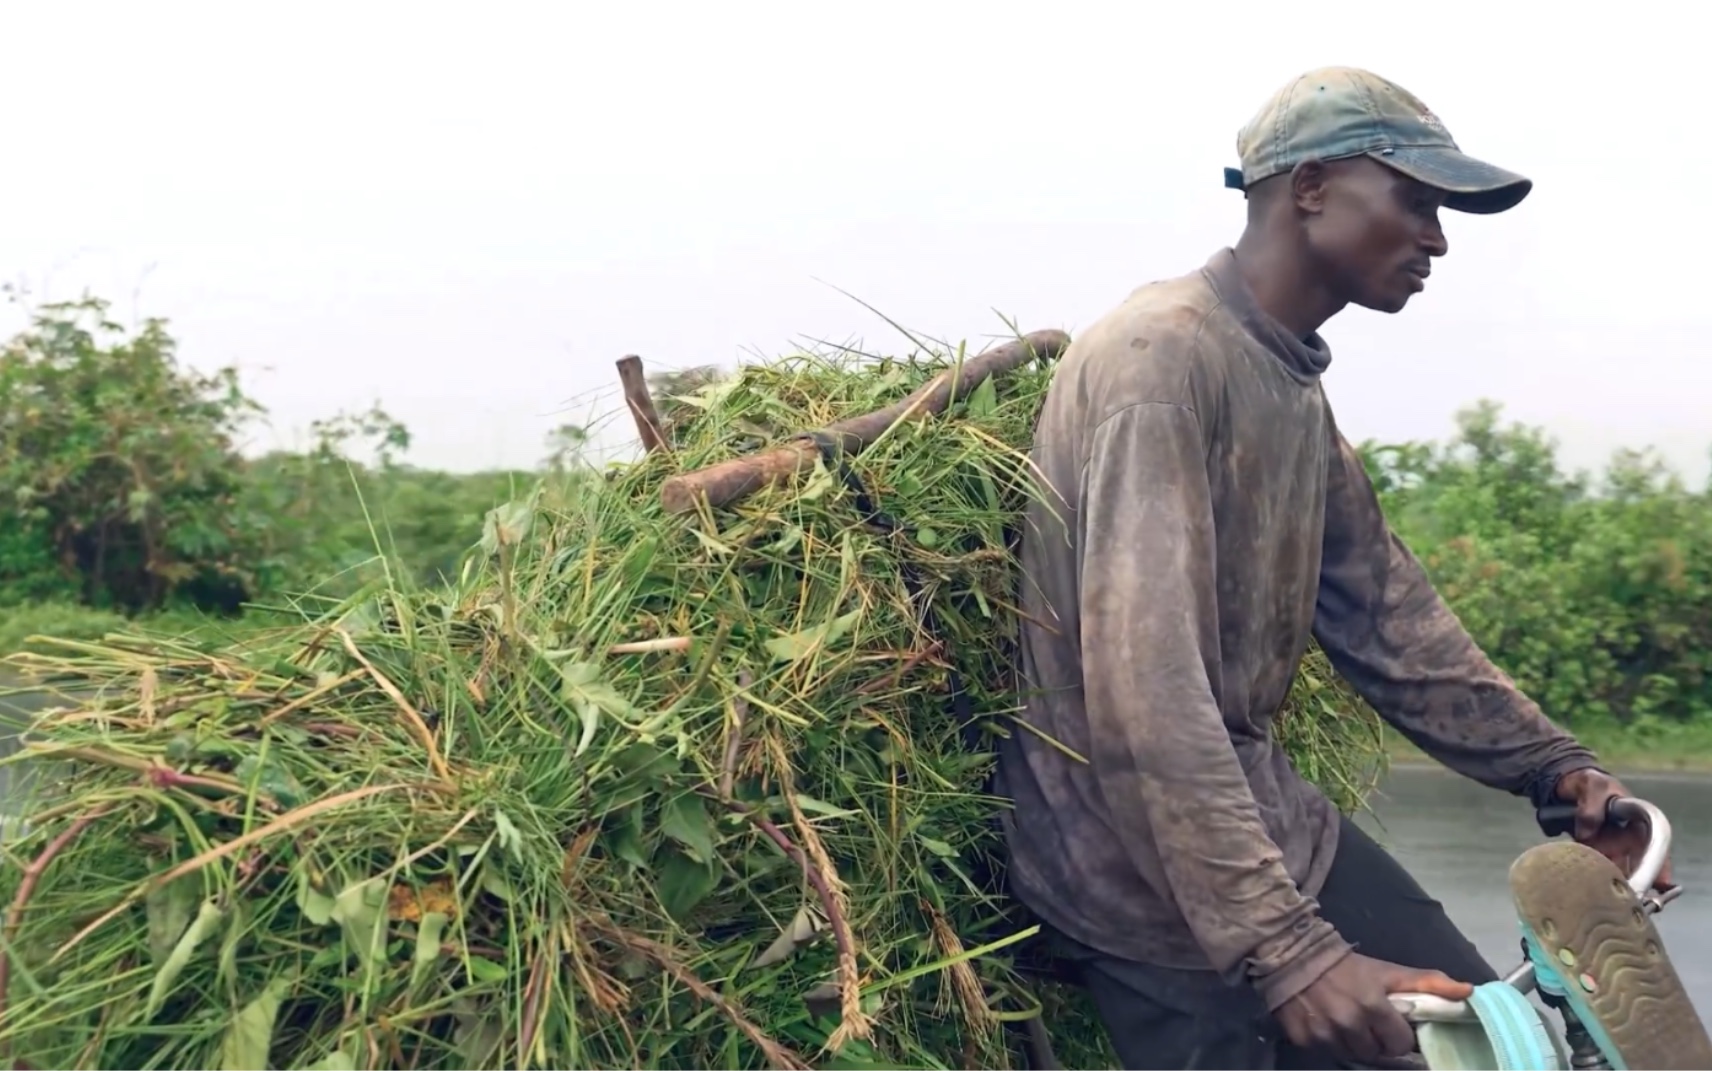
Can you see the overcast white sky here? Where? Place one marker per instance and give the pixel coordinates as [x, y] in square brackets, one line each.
[470, 211]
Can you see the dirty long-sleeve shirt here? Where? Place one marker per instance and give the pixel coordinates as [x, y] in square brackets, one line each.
[1204, 519]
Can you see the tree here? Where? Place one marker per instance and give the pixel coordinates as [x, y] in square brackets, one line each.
[118, 462]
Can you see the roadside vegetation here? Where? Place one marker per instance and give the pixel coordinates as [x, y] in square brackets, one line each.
[128, 503]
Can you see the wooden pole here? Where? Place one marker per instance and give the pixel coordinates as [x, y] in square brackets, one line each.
[732, 481]
[641, 403]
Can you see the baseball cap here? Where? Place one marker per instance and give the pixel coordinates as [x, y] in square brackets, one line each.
[1335, 113]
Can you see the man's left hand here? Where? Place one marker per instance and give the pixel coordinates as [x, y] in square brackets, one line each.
[1592, 791]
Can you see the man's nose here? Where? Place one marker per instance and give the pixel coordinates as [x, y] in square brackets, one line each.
[1433, 240]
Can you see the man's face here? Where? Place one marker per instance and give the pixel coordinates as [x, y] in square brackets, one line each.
[1374, 232]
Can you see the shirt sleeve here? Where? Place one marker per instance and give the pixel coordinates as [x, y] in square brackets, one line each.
[1389, 634]
[1161, 752]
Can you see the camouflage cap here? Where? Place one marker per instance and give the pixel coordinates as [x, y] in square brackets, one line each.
[1339, 112]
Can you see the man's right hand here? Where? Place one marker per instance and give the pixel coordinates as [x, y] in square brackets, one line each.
[1348, 1010]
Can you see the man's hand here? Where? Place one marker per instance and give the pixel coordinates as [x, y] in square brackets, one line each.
[1591, 792]
[1348, 1009]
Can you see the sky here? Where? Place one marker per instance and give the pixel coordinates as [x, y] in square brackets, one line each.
[469, 212]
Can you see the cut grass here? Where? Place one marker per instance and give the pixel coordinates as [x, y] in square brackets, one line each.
[637, 791]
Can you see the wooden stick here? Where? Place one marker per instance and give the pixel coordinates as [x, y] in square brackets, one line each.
[731, 481]
[641, 403]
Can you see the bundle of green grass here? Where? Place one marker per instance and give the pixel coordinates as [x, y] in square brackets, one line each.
[641, 790]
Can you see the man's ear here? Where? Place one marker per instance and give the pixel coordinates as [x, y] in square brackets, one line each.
[1308, 186]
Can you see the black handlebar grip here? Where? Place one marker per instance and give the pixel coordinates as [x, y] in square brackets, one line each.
[1558, 819]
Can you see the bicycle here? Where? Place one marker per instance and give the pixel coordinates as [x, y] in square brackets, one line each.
[1591, 952]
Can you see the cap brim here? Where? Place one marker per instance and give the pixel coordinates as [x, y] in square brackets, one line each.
[1473, 185]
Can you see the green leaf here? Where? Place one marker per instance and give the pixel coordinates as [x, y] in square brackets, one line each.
[429, 934]
[581, 686]
[646, 765]
[507, 525]
[483, 969]
[627, 836]
[712, 544]
[270, 779]
[937, 847]
[589, 714]
[509, 838]
[337, 1060]
[684, 883]
[816, 486]
[181, 748]
[496, 883]
[685, 820]
[237, 926]
[787, 541]
[169, 909]
[207, 917]
[316, 905]
[640, 558]
[359, 911]
[248, 1039]
[793, 646]
[983, 401]
[480, 1030]
[810, 805]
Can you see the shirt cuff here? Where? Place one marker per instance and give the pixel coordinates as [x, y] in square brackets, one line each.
[1319, 955]
[1544, 787]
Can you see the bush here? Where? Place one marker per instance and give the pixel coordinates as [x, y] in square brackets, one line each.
[119, 463]
[1595, 596]
[128, 493]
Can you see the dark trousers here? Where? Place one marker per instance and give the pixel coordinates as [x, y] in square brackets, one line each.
[1160, 1017]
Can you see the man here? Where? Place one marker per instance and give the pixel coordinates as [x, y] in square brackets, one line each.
[1210, 519]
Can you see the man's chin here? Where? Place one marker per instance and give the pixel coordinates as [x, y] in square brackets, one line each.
[1386, 303]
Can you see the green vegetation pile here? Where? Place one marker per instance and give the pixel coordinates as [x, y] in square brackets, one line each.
[635, 789]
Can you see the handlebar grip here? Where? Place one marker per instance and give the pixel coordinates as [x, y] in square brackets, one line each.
[1558, 819]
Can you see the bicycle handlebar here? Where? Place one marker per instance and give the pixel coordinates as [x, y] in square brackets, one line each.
[1559, 818]
[1556, 819]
